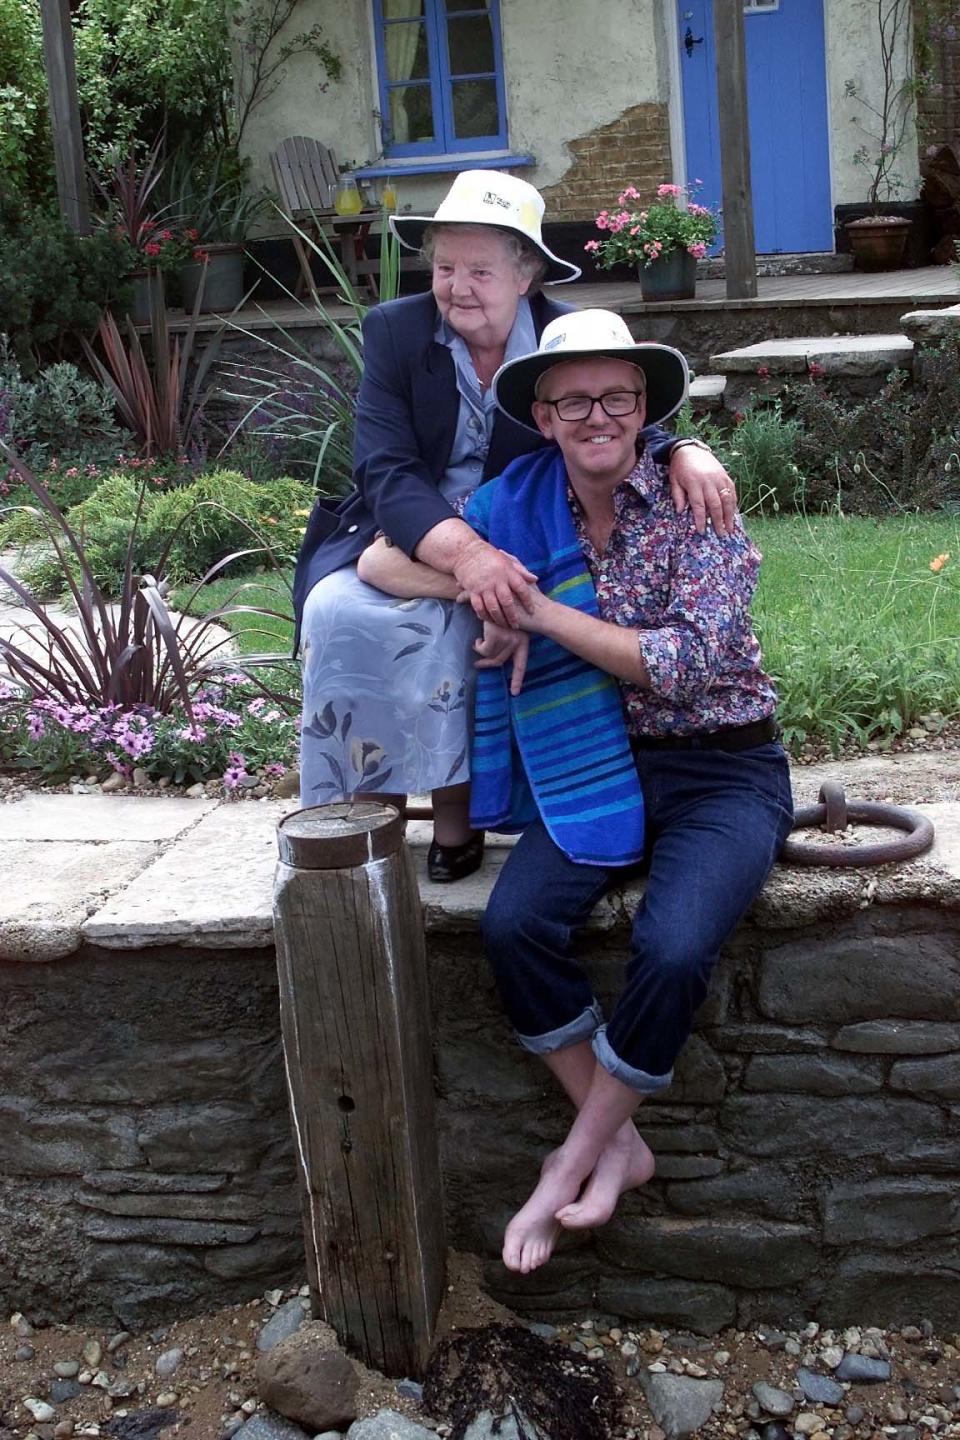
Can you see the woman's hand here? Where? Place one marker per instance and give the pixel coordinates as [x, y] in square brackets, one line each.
[498, 645]
[493, 582]
[699, 480]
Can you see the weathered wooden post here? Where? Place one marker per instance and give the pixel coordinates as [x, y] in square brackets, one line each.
[65, 114]
[739, 248]
[355, 1014]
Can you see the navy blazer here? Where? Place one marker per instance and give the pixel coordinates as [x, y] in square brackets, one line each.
[407, 409]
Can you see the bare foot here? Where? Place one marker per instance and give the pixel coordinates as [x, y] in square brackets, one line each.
[625, 1164]
[532, 1233]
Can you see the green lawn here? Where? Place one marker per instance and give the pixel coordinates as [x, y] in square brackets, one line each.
[256, 634]
[860, 635]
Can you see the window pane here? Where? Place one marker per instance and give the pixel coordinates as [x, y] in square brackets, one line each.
[471, 46]
[475, 109]
[467, 5]
[406, 47]
[411, 114]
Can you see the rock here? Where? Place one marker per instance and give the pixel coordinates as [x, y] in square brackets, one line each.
[271, 1427]
[140, 776]
[167, 1399]
[863, 1369]
[773, 1430]
[20, 1325]
[273, 1297]
[679, 1405]
[92, 1354]
[148, 1424]
[285, 1321]
[287, 785]
[24, 1353]
[113, 783]
[546, 1332]
[819, 1389]
[307, 1379]
[61, 1390]
[115, 1341]
[67, 1369]
[410, 1390]
[391, 1425]
[774, 1401]
[63, 1430]
[854, 1414]
[807, 1423]
[772, 1339]
[832, 1356]
[168, 1363]
[43, 1413]
[195, 792]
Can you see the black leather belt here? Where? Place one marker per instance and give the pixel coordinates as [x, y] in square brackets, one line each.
[734, 737]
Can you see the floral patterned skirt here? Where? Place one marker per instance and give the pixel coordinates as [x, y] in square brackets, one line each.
[387, 691]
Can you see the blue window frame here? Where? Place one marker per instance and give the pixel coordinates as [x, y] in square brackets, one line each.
[440, 66]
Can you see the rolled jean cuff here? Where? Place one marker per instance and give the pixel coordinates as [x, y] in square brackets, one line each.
[637, 1080]
[583, 1028]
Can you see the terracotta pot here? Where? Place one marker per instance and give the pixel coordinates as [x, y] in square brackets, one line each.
[221, 277]
[672, 277]
[878, 242]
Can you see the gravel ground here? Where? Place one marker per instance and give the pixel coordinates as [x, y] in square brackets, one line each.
[775, 1384]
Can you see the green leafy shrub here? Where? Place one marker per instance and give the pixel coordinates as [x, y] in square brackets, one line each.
[760, 452]
[26, 150]
[193, 526]
[54, 284]
[57, 412]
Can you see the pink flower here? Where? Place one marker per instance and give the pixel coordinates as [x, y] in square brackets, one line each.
[153, 249]
[35, 725]
[669, 192]
[815, 370]
[202, 255]
[72, 473]
[698, 249]
[593, 246]
[763, 371]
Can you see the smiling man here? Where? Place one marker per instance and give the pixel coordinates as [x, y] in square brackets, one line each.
[629, 722]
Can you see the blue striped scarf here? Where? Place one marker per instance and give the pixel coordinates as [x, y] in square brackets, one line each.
[560, 747]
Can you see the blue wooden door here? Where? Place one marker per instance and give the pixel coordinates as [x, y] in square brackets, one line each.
[789, 137]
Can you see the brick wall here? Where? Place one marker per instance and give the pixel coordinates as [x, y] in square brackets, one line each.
[633, 149]
[937, 29]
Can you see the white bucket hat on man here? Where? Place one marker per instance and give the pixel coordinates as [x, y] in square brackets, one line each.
[489, 197]
[585, 335]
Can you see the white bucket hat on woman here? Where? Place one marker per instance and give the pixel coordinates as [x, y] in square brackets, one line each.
[585, 335]
[489, 197]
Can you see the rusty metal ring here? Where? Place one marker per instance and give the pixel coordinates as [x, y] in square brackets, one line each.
[834, 813]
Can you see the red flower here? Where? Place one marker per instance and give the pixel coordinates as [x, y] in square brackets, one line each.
[815, 370]
[192, 234]
[202, 255]
[764, 372]
[152, 249]
[166, 234]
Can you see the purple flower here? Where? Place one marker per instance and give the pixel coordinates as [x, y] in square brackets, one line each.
[35, 725]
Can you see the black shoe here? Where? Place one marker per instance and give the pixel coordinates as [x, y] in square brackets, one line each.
[454, 862]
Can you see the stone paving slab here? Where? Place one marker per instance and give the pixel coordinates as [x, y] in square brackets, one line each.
[925, 326]
[49, 890]
[100, 817]
[837, 354]
[706, 391]
[213, 888]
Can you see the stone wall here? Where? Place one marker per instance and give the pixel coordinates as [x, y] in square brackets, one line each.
[808, 1154]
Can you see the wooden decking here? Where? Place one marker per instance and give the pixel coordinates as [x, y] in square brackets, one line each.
[932, 286]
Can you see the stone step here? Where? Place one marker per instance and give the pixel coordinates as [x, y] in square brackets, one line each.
[836, 355]
[926, 327]
[706, 392]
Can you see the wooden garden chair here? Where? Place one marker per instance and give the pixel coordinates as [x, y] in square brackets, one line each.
[306, 176]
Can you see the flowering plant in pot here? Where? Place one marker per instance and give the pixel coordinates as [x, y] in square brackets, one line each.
[664, 239]
[878, 241]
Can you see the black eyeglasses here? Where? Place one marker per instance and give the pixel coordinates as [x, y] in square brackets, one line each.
[616, 403]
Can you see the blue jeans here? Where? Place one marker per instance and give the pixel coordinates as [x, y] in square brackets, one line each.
[715, 823]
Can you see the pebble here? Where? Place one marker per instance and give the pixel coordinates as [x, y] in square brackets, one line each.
[20, 1325]
[807, 1423]
[61, 1390]
[168, 1363]
[43, 1413]
[110, 786]
[140, 777]
[863, 1369]
[273, 1297]
[832, 1356]
[772, 1339]
[773, 1400]
[854, 1414]
[628, 1348]
[115, 1341]
[819, 1388]
[773, 1430]
[24, 1352]
[66, 1369]
[413, 1390]
[92, 1354]
[721, 1357]
[195, 792]
[63, 1430]
[167, 1399]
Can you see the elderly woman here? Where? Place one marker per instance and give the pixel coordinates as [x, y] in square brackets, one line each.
[388, 681]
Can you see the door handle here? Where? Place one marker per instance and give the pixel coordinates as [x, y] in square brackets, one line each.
[689, 40]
